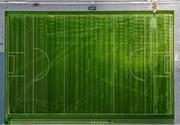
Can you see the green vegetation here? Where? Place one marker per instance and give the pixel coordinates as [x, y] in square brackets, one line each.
[107, 65]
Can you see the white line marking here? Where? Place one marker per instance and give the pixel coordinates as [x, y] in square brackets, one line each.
[160, 52]
[145, 62]
[33, 70]
[8, 63]
[153, 91]
[167, 64]
[169, 85]
[16, 52]
[16, 76]
[113, 66]
[154, 23]
[24, 65]
[171, 65]
[129, 65]
[49, 64]
[46, 32]
[162, 76]
[64, 64]
[94, 114]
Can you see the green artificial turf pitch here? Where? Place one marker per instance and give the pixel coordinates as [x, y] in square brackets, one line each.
[89, 65]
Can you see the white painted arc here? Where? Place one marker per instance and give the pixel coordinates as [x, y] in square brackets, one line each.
[129, 64]
[49, 64]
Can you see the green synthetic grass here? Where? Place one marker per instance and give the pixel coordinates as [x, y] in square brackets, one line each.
[112, 64]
